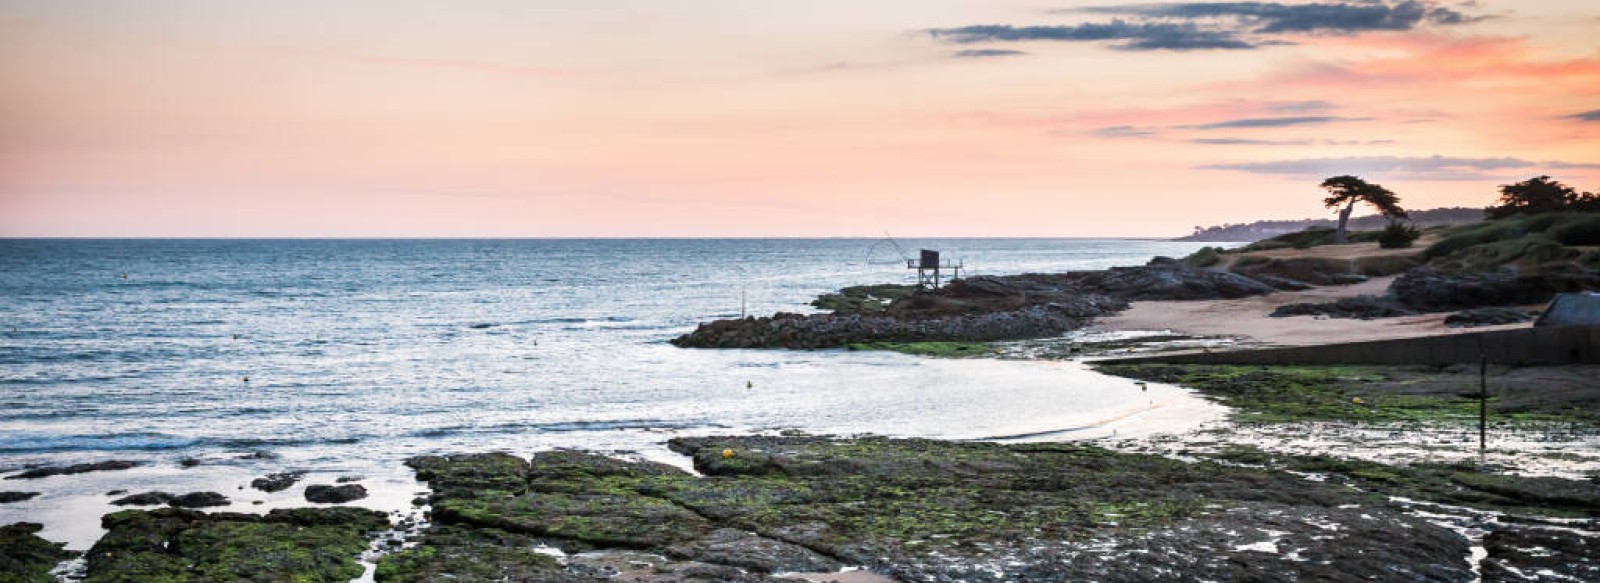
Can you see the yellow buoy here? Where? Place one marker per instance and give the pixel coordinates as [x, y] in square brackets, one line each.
[1356, 400]
[727, 453]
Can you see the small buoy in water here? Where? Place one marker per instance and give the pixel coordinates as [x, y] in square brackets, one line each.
[1356, 400]
[749, 384]
[1142, 386]
[247, 379]
[727, 453]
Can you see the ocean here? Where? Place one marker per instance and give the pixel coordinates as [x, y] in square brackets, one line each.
[216, 361]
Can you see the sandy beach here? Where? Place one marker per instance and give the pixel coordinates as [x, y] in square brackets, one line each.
[1250, 320]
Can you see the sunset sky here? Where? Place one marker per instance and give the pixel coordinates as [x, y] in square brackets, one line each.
[540, 118]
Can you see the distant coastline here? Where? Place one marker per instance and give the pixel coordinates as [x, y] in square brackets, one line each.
[1266, 229]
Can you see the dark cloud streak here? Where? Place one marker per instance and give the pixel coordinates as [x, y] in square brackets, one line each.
[1277, 122]
[986, 53]
[1414, 168]
[1133, 36]
[1191, 26]
[1278, 18]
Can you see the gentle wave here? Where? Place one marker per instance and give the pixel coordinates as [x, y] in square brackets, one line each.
[568, 427]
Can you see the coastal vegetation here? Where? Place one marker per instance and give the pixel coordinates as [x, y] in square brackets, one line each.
[1265, 229]
[1541, 195]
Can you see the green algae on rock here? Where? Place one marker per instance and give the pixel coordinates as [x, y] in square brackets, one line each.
[939, 349]
[175, 545]
[25, 557]
[1367, 394]
[921, 510]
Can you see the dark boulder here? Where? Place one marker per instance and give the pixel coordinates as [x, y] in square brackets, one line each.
[144, 499]
[276, 482]
[9, 497]
[325, 494]
[200, 500]
[1359, 308]
[1493, 316]
[46, 472]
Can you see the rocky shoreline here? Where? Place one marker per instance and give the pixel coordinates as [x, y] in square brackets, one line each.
[762, 508]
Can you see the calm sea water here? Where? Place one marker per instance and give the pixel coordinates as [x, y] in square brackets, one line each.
[344, 357]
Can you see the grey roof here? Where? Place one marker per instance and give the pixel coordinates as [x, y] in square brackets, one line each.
[1580, 309]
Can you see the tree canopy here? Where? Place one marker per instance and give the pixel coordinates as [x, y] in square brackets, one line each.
[1348, 190]
[1541, 195]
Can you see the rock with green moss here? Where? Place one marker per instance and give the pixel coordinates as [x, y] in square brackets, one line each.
[921, 510]
[863, 299]
[176, 545]
[25, 557]
[936, 349]
[1384, 394]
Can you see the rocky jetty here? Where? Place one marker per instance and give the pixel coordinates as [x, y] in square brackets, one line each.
[980, 309]
[914, 510]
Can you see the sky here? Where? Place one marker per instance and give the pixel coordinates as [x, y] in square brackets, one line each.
[756, 118]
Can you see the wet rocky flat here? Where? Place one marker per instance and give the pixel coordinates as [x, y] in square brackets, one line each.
[914, 510]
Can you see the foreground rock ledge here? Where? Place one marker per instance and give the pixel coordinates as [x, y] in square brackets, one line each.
[914, 510]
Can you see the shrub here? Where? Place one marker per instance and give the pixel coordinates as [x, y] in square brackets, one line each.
[1579, 229]
[1249, 260]
[1398, 236]
[1310, 237]
[1205, 257]
[1472, 235]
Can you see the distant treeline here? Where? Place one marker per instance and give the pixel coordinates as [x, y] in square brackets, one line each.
[1250, 232]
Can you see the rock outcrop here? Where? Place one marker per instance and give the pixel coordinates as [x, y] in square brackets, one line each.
[981, 309]
[1432, 290]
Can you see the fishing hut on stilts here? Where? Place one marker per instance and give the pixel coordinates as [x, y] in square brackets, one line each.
[930, 270]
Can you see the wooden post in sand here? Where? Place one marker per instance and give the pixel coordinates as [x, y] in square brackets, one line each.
[1483, 404]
